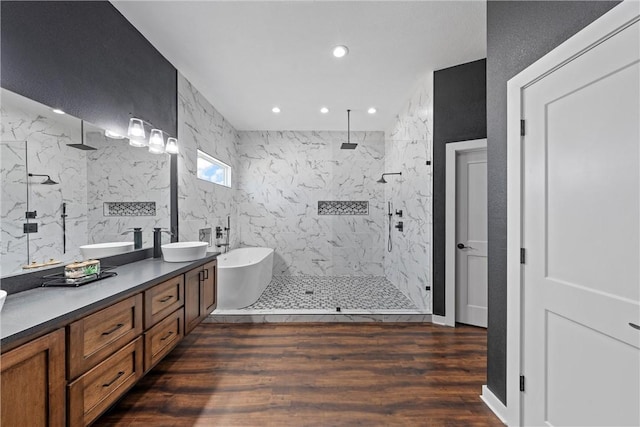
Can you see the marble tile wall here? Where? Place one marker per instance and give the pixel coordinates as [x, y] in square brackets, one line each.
[47, 153]
[408, 146]
[282, 176]
[202, 204]
[122, 173]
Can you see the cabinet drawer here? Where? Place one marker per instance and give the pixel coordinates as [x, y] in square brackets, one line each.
[95, 337]
[162, 300]
[162, 338]
[92, 393]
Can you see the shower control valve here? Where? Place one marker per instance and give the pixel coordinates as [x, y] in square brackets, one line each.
[400, 226]
[399, 212]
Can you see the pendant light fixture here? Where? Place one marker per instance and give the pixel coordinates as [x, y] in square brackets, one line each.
[156, 142]
[172, 146]
[348, 145]
[136, 133]
[137, 138]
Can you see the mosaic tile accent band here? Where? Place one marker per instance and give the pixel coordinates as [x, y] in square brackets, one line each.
[335, 207]
[129, 208]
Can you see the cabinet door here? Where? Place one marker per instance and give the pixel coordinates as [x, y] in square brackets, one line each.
[33, 383]
[209, 288]
[192, 303]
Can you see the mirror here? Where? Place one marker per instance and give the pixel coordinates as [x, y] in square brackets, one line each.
[57, 194]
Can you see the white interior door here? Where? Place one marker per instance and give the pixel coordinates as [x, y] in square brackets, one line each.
[471, 237]
[581, 231]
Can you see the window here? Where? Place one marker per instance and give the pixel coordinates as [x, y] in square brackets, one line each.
[213, 170]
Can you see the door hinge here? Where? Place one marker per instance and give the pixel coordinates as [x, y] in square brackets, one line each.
[523, 253]
[522, 127]
[521, 382]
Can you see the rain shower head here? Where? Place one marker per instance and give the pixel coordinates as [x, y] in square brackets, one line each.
[47, 181]
[348, 145]
[82, 145]
[384, 181]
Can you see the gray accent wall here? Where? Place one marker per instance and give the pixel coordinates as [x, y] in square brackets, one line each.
[459, 114]
[518, 34]
[87, 59]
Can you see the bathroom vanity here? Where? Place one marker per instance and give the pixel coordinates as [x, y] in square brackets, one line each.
[68, 354]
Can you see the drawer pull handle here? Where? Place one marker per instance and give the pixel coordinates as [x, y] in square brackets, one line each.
[166, 336]
[167, 298]
[121, 373]
[115, 328]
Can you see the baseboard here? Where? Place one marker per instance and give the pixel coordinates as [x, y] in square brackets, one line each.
[442, 320]
[496, 406]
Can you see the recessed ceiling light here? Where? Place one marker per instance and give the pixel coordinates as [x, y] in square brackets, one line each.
[340, 51]
[275, 110]
[57, 111]
[324, 110]
[371, 110]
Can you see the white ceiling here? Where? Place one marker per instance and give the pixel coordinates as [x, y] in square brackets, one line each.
[246, 57]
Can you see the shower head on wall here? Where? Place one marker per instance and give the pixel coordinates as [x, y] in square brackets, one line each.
[47, 181]
[348, 145]
[82, 145]
[384, 181]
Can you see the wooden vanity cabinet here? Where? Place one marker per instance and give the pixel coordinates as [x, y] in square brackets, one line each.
[33, 383]
[105, 353]
[95, 337]
[200, 294]
[95, 391]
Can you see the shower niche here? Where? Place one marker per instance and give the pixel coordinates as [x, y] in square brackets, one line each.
[57, 174]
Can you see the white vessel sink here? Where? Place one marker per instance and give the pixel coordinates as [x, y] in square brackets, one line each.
[3, 296]
[101, 250]
[184, 251]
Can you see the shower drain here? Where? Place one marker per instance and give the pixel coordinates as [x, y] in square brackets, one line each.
[308, 292]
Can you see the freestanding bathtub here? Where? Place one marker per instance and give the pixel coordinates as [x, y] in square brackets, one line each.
[243, 274]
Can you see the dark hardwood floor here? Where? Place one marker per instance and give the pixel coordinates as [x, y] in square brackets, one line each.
[347, 374]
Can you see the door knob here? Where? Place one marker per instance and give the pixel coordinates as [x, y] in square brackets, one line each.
[462, 246]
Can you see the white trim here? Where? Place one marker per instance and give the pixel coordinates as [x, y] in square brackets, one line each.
[452, 149]
[494, 404]
[610, 23]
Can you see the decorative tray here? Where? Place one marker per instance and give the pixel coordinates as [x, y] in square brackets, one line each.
[58, 279]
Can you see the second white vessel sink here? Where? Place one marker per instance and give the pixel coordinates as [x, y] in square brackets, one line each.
[184, 251]
[101, 250]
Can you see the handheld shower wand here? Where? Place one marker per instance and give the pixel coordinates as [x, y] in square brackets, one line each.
[390, 214]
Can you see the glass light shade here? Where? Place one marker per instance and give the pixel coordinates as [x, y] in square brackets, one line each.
[172, 146]
[156, 142]
[136, 129]
[137, 142]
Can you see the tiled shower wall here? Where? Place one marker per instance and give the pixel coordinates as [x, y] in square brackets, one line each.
[202, 204]
[47, 154]
[408, 147]
[281, 178]
[122, 173]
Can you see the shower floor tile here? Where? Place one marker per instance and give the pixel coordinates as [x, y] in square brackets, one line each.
[330, 293]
